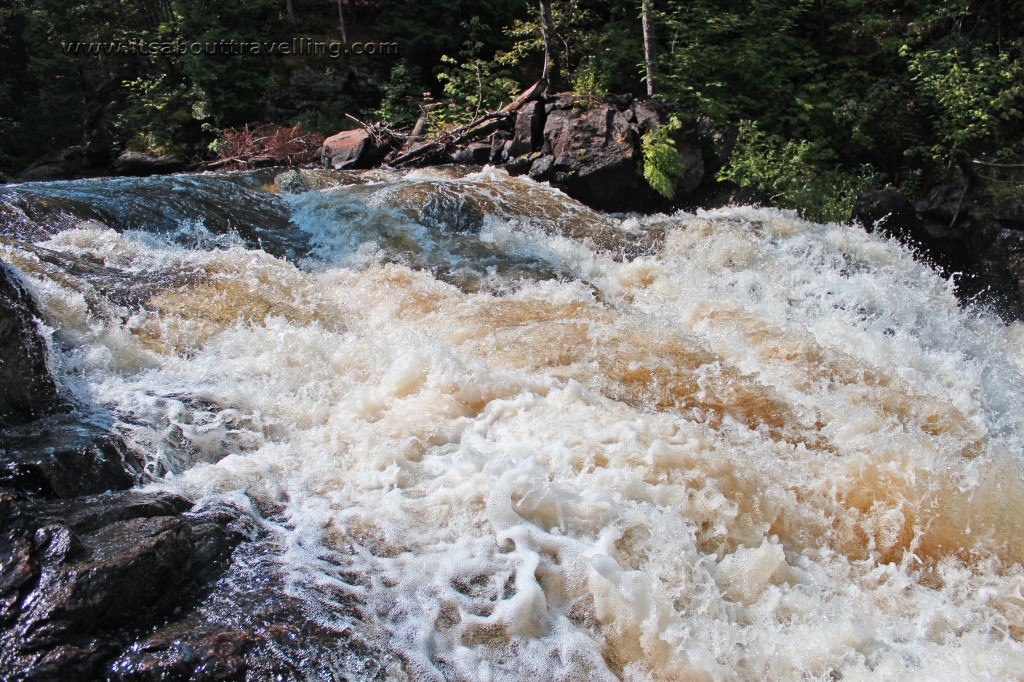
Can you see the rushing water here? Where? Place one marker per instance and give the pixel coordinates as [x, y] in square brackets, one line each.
[500, 436]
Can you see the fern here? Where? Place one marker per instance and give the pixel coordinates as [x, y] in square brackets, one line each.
[662, 168]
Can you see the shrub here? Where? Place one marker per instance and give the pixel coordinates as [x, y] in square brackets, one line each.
[265, 145]
[798, 174]
[661, 166]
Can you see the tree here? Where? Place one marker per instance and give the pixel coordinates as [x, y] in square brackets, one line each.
[650, 50]
[341, 21]
[551, 72]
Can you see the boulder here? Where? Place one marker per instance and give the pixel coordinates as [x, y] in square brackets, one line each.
[299, 180]
[519, 165]
[691, 159]
[529, 131]
[925, 225]
[72, 162]
[995, 276]
[77, 577]
[454, 212]
[598, 150]
[987, 254]
[353, 149]
[940, 207]
[27, 390]
[475, 153]
[501, 143]
[648, 114]
[64, 456]
[142, 164]
[543, 168]
[1010, 212]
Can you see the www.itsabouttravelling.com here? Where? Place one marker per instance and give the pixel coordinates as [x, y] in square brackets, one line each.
[296, 46]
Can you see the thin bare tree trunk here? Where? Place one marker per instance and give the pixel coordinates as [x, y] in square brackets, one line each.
[290, 8]
[341, 20]
[650, 50]
[547, 29]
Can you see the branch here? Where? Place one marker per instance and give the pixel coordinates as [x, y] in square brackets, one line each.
[989, 164]
[529, 94]
[482, 125]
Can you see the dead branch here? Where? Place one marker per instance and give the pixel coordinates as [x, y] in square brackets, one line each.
[529, 94]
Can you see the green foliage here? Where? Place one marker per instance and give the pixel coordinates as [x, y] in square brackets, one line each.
[472, 86]
[600, 42]
[799, 174]
[979, 100]
[400, 104]
[908, 87]
[471, 82]
[661, 165]
[591, 81]
[236, 86]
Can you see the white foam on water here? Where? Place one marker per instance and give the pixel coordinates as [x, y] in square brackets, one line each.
[767, 450]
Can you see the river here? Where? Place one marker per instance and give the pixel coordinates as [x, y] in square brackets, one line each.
[498, 436]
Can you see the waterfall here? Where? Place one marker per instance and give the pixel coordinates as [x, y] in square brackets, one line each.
[486, 433]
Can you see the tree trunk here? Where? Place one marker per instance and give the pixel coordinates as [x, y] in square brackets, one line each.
[290, 8]
[551, 74]
[650, 51]
[341, 20]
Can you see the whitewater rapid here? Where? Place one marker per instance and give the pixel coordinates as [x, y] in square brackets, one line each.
[504, 437]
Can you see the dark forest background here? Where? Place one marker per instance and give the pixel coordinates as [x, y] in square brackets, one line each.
[827, 97]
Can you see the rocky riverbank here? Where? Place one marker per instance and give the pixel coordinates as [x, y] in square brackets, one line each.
[589, 150]
[102, 580]
[979, 244]
[592, 151]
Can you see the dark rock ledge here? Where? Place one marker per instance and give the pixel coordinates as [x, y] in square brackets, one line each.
[981, 243]
[86, 562]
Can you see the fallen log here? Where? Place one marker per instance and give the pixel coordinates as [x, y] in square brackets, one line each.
[531, 93]
[475, 129]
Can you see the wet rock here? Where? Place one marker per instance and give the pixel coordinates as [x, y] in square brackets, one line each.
[543, 168]
[475, 153]
[251, 627]
[72, 162]
[501, 142]
[89, 514]
[887, 211]
[455, 212]
[353, 149]
[299, 180]
[78, 577]
[518, 166]
[64, 457]
[941, 206]
[995, 276]
[986, 253]
[183, 653]
[142, 164]
[27, 390]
